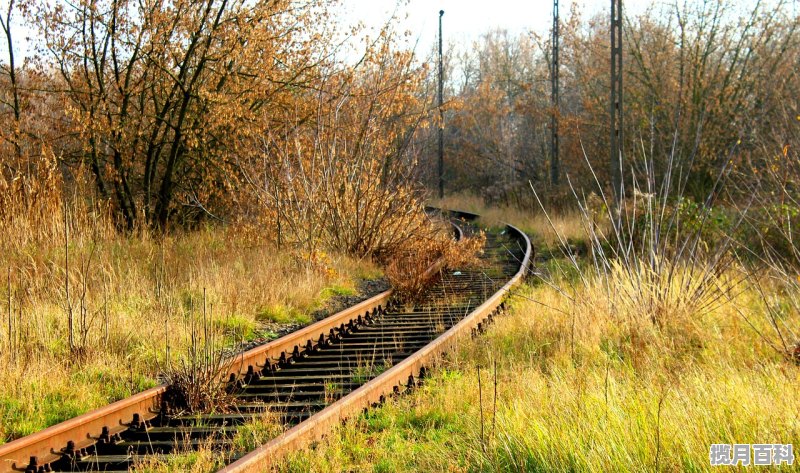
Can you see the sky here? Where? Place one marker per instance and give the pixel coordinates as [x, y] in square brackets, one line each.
[465, 20]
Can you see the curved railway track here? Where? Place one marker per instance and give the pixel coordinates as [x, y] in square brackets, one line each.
[311, 378]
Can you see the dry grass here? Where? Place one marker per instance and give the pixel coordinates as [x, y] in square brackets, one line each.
[535, 224]
[132, 299]
[595, 395]
[582, 382]
[407, 267]
[606, 364]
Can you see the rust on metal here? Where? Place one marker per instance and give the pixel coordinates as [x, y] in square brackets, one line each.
[73, 438]
[82, 430]
[279, 349]
[375, 390]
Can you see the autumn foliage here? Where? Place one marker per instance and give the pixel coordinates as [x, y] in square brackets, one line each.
[235, 111]
[706, 84]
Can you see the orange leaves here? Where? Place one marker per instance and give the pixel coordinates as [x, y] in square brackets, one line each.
[333, 170]
[407, 264]
[163, 98]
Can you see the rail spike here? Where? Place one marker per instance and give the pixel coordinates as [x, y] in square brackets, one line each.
[33, 465]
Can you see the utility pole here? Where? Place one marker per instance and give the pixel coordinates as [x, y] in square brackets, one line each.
[615, 111]
[441, 110]
[554, 102]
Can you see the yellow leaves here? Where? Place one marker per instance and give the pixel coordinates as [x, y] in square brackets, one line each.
[786, 151]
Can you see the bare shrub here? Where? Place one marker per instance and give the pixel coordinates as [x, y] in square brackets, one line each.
[196, 384]
[339, 175]
[769, 244]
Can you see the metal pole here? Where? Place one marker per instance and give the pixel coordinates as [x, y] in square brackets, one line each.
[441, 111]
[615, 112]
[554, 158]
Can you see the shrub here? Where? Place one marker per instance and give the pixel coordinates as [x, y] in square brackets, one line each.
[408, 266]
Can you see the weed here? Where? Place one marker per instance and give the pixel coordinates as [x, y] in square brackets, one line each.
[281, 314]
[257, 432]
[407, 267]
[334, 291]
[134, 292]
[621, 408]
[366, 371]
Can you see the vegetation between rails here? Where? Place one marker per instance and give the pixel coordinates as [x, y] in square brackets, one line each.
[553, 386]
[534, 224]
[664, 314]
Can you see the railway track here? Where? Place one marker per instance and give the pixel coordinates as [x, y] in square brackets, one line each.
[310, 379]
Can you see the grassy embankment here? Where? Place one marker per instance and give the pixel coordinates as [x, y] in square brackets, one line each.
[133, 299]
[581, 385]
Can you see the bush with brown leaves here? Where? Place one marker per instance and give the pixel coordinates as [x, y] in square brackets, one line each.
[412, 266]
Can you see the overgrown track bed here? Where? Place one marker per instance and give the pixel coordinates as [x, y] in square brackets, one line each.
[309, 379]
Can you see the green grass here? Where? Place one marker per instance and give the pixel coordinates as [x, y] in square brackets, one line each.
[367, 371]
[337, 290]
[601, 396]
[282, 314]
[201, 461]
[249, 436]
[237, 327]
[35, 403]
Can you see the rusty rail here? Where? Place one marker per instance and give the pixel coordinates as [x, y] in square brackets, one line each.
[401, 375]
[35, 452]
[84, 430]
[31, 452]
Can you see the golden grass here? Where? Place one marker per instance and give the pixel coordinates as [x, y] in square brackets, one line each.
[133, 299]
[534, 223]
[580, 390]
[587, 384]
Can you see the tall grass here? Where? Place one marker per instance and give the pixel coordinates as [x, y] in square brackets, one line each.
[545, 233]
[634, 356]
[408, 265]
[204, 458]
[593, 396]
[132, 297]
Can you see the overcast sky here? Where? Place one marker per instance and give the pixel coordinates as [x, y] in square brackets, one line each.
[466, 20]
